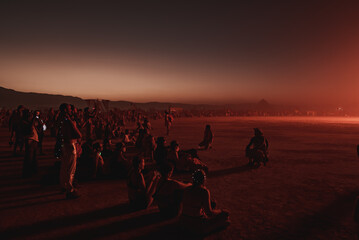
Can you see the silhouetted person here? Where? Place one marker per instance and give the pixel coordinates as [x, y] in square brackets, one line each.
[258, 145]
[16, 125]
[207, 138]
[184, 160]
[86, 161]
[148, 145]
[146, 124]
[169, 192]
[70, 134]
[358, 150]
[40, 129]
[168, 122]
[31, 144]
[139, 193]
[119, 165]
[198, 216]
[99, 164]
[128, 139]
[160, 154]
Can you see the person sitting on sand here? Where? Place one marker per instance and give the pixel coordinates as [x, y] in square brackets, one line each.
[160, 153]
[258, 144]
[198, 215]
[169, 191]
[139, 193]
[207, 138]
[184, 160]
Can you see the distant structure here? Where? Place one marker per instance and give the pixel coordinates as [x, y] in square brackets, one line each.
[176, 110]
[101, 105]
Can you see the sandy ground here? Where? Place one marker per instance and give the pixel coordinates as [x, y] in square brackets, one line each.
[307, 191]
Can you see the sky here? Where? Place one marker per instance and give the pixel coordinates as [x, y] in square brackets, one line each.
[287, 52]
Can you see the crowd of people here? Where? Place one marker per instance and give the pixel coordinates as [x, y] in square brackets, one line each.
[85, 150]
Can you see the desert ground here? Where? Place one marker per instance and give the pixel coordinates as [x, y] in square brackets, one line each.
[306, 191]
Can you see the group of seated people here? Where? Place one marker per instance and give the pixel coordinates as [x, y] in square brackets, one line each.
[190, 201]
[96, 159]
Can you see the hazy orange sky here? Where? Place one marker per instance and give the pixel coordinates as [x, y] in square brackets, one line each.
[215, 53]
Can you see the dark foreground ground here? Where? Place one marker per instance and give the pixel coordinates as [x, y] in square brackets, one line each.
[307, 190]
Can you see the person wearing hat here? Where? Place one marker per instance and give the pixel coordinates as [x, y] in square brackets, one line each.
[258, 144]
[198, 213]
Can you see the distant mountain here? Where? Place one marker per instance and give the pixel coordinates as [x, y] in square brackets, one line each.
[11, 99]
[160, 106]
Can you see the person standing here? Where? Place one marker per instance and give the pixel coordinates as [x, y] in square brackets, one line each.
[39, 123]
[69, 133]
[168, 121]
[31, 144]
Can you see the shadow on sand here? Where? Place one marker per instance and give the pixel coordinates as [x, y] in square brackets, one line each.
[227, 171]
[323, 220]
[121, 226]
[67, 221]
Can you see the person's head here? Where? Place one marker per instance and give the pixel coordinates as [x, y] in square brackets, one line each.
[120, 147]
[65, 108]
[166, 170]
[208, 127]
[138, 163]
[73, 108]
[174, 146]
[257, 132]
[37, 113]
[198, 177]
